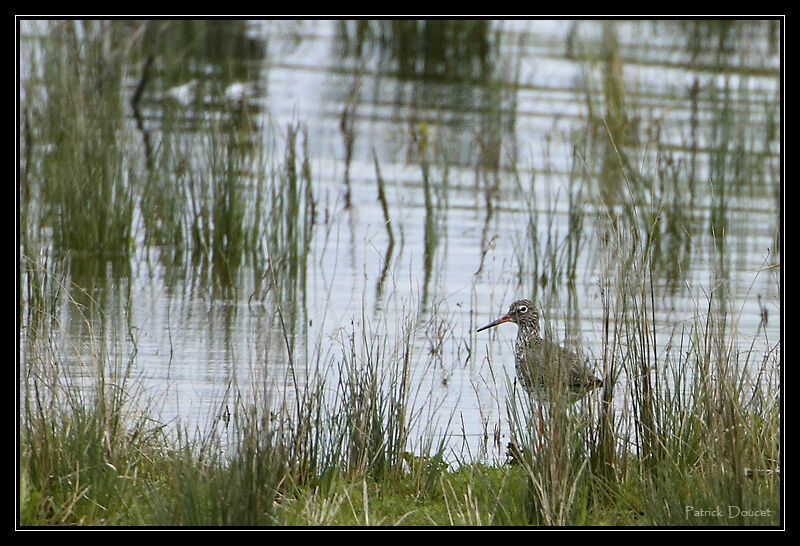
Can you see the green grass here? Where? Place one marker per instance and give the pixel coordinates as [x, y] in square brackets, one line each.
[696, 436]
[153, 483]
[688, 426]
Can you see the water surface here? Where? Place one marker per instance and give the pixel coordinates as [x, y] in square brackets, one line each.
[505, 150]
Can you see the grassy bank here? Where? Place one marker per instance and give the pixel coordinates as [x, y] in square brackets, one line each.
[690, 429]
[685, 432]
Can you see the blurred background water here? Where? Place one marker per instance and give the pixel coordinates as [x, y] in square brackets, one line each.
[223, 197]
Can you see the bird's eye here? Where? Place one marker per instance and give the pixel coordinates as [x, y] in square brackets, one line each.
[523, 309]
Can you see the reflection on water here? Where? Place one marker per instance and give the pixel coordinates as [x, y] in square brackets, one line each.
[230, 194]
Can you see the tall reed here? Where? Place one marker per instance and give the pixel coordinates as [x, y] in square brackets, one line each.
[80, 177]
[85, 434]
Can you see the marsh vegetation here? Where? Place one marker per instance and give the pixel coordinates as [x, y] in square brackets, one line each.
[253, 255]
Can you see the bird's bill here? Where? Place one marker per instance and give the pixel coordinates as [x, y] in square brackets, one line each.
[501, 320]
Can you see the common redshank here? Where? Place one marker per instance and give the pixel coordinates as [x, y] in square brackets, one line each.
[542, 365]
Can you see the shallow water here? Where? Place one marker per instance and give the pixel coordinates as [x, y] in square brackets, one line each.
[507, 133]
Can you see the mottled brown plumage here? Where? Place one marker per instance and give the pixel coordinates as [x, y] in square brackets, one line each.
[542, 364]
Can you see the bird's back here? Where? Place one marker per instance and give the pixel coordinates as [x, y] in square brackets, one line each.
[541, 363]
